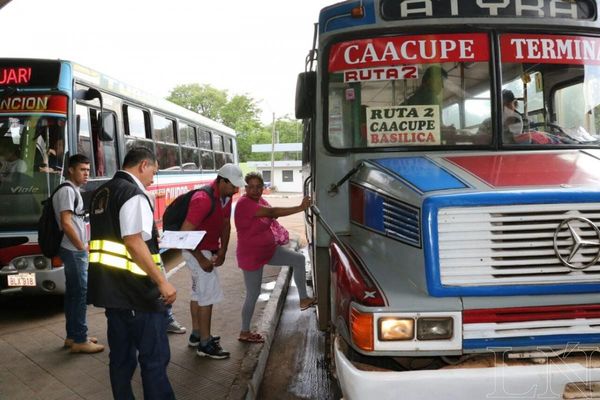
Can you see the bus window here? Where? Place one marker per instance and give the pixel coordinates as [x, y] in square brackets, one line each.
[84, 141]
[416, 104]
[219, 160]
[105, 155]
[136, 122]
[207, 160]
[189, 152]
[167, 151]
[187, 135]
[558, 100]
[204, 140]
[217, 142]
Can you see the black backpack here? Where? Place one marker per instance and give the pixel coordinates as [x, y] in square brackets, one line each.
[49, 234]
[176, 212]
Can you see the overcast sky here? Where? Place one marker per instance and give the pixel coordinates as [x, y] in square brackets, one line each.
[245, 47]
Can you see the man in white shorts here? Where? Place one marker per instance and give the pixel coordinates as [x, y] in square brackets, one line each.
[210, 213]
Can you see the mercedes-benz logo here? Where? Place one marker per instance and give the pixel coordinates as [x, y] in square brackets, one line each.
[576, 231]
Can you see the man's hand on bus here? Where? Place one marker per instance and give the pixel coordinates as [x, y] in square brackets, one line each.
[168, 293]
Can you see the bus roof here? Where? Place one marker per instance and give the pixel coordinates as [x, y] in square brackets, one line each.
[375, 14]
[109, 84]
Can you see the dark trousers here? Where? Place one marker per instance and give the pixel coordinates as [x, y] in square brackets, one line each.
[133, 336]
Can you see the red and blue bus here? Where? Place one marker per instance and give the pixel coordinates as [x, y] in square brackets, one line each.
[453, 152]
[50, 109]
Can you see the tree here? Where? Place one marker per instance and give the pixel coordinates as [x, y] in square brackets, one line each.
[241, 113]
[203, 99]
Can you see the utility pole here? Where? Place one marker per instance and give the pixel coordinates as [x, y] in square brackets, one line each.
[273, 154]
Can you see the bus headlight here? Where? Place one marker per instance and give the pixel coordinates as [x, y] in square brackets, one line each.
[396, 329]
[40, 262]
[429, 328]
[21, 263]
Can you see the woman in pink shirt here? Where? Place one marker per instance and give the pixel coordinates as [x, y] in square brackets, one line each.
[256, 247]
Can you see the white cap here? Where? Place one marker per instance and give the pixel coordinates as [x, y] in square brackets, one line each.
[233, 173]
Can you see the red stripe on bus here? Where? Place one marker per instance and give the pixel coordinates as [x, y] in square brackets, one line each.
[517, 314]
[542, 169]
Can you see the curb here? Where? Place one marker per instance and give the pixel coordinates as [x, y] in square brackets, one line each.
[247, 383]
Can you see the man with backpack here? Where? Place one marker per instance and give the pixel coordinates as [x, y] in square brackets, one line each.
[69, 213]
[209, 210]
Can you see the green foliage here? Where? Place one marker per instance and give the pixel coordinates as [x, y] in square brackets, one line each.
[203, 99]
[241, 113]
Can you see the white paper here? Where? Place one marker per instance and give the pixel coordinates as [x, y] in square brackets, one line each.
[181, 239]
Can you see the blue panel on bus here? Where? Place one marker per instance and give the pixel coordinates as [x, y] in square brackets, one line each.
[338, 16]
[374, 211]
[421, 173]
[530, 341]
[66, 77]
[429, 220]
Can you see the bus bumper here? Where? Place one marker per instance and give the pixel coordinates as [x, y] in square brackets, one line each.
[554, 380]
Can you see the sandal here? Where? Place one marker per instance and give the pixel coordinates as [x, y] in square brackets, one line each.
[308, 304]
[252, 337]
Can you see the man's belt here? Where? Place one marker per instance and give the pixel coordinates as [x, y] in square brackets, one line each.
[113, 254]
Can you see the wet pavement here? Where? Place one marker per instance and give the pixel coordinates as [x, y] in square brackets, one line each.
[34, 365]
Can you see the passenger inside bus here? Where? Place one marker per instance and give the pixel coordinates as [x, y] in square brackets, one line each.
[10, 161]
[512, 121]
[431, 90]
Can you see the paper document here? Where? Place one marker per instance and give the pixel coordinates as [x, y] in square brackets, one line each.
[181, 239]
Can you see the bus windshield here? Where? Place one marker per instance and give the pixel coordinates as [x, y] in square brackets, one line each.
[437, 91]
[32, 155]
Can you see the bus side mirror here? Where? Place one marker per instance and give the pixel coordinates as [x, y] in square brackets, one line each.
[306, 94]
[108, 126]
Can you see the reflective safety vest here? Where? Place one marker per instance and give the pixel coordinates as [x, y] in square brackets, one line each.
[113, 254]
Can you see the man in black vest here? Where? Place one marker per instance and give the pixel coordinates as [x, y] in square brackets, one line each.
[125, 278]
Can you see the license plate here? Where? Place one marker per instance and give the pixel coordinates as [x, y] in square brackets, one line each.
[22, 279]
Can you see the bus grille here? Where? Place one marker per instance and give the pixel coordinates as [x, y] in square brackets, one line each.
[514, 245]
[401, 222]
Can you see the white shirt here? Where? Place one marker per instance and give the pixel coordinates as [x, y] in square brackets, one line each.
[64, 200]
[136, 215]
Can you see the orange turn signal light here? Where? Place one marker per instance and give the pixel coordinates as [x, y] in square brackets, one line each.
[357, 12]
[56, 262]
[361, 328]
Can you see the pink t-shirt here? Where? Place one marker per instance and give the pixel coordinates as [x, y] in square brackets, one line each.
[213, 225]
[255, 244]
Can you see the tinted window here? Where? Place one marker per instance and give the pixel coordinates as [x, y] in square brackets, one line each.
[163, 129]
[204, 141]
[187, 135]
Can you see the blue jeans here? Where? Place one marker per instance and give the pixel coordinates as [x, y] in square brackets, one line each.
[76, 272]
[133, 336]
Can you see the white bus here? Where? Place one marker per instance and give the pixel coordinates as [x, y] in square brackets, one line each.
[50, 109]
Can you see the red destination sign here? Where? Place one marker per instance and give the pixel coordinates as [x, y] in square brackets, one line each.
[402, 50]
[34, 104]
[550, 49]
[15, 76]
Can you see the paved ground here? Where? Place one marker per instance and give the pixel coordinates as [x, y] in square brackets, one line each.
[33, 364]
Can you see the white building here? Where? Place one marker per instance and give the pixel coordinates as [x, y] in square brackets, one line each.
[288, 174]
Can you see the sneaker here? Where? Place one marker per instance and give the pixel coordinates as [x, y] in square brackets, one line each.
[175, 327]
[87, 347]
[213, 350]
[193, 341]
